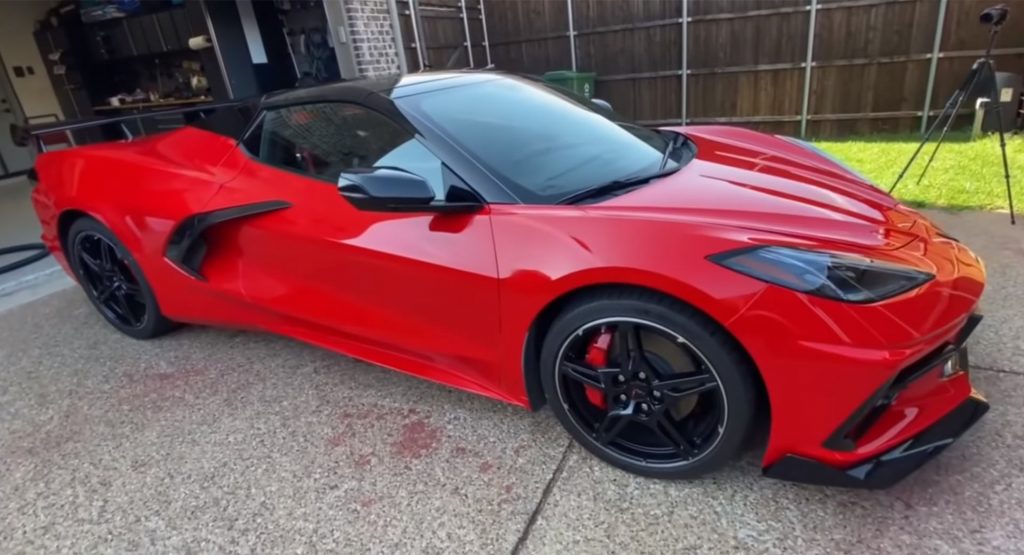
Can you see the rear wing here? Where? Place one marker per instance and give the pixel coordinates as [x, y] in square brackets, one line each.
[43, 133]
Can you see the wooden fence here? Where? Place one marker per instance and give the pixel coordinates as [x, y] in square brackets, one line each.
[799, 67]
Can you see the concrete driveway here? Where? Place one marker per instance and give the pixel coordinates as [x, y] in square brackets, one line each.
[213, 440]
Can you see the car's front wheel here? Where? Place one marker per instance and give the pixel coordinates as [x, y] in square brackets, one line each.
[113, 280]
[649, 384]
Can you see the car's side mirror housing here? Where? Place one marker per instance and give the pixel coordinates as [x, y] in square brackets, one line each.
[386, 189]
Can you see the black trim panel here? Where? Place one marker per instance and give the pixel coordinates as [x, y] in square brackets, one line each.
[972, 322]
[186, 248]
[891, 467]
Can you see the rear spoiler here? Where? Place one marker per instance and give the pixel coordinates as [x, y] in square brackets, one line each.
[22, 135]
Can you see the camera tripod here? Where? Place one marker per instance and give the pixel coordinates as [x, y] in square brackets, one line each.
[982, 70]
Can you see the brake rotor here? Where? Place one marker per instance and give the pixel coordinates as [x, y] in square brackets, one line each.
[669, 360]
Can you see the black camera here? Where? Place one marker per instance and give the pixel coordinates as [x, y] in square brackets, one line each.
[995, 16]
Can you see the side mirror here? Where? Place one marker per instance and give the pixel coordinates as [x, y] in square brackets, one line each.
[602, 104]
[384, 189]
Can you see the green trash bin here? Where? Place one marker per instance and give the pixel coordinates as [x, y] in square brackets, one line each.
[579, 82]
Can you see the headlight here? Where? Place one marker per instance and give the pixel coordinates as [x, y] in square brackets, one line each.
[842, 277]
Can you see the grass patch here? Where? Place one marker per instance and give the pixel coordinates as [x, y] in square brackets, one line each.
[965, 174]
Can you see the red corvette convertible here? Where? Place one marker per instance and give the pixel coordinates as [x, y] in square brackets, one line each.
[667, 292]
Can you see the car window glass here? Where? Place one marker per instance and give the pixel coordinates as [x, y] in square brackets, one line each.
[413, 157]
[323, 139]
[544, 145]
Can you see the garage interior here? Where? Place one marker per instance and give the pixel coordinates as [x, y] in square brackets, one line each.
[73, 59]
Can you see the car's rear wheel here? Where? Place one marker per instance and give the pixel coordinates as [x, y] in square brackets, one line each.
[113, 281]
[649, 384]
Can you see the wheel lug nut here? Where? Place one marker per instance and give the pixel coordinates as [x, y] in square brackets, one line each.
[656, 394]
[642, 376]
[644, 407]
[622, 397]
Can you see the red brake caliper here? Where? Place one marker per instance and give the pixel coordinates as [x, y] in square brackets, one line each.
[597, 357]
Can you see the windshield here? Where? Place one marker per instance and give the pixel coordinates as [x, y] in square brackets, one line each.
[543, 144]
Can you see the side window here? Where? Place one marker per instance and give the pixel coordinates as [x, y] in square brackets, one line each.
[323, 139]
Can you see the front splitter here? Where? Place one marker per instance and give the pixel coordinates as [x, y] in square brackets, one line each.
[889, 468]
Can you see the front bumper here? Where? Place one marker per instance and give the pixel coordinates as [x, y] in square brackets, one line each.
[851, 385]
[921, 387]
[890, 467]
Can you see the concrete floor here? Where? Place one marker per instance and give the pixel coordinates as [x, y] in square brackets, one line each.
[18, 225]
[215, 440]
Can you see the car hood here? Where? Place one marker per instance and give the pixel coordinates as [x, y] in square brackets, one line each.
[763, 183]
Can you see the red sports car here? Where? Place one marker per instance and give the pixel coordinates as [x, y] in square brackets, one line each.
[667, 292]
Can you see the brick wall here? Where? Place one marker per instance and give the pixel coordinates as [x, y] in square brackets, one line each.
[373, 40]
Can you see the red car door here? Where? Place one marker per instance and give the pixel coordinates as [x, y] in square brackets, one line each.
[412, 290]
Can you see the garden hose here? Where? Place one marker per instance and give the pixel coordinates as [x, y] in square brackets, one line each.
[41, 253]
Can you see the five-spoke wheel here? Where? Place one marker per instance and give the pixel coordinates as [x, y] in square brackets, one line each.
[648, 384]
[109, 280]
[660, 400]
[113, 281]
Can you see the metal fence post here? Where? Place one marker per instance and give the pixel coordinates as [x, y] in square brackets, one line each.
[487, 41]
[572, 35]
[414, 18]
[396, 29]
[939, 23]
[465, 24]
[807, 68]
[684, 65]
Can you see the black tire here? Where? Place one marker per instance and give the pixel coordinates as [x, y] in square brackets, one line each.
[645, 442]
[123, 284]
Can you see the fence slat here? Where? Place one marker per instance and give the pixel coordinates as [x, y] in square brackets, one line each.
[801, 65]
[811, 117]
[795, 9]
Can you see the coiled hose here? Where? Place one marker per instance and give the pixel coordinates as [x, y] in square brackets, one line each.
[40, 254]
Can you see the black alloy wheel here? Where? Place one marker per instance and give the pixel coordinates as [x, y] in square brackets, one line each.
[109, 281]
[663, 402]
[665, 395]
[113, 281]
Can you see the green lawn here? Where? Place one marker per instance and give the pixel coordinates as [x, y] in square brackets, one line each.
[965, 174]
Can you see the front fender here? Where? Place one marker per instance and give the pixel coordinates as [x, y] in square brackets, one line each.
[548, 253]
